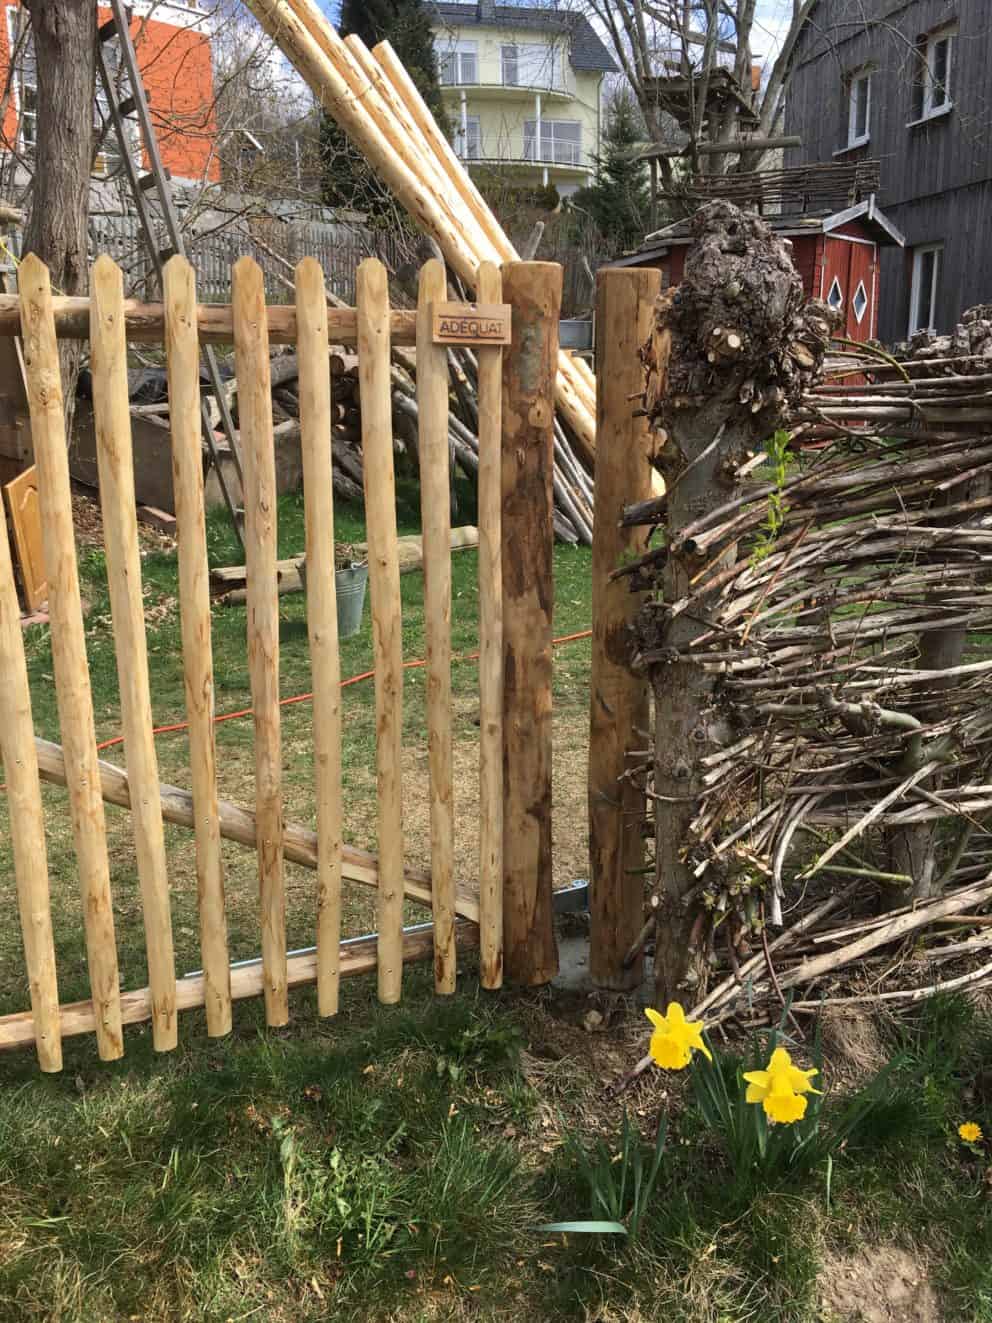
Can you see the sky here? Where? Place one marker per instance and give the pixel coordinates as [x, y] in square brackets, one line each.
[771, 22]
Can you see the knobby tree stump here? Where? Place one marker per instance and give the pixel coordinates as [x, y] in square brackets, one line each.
[733, 347]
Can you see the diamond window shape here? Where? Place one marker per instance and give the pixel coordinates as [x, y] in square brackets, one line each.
[860, 301]
[836, 296]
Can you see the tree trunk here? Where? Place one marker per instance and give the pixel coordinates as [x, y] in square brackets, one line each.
[732, 349]
[56, 231]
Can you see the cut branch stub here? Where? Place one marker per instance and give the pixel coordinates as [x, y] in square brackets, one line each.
[738, 328]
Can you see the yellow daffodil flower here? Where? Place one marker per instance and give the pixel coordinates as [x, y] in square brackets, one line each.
[780, 1088]
[675, 1038]
[970, 1132]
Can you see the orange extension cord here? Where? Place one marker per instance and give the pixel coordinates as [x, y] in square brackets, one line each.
[303, 698]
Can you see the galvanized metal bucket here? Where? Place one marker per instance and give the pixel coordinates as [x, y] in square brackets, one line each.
[349, 585]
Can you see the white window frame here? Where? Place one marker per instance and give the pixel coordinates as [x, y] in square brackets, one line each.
[535, 64]
[915, 289]
[463, 138]
[855, 139]
[20, 86]
[929, 107]
[548, 136]
[459, 51]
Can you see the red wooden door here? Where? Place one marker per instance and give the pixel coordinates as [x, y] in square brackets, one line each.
[850, 281]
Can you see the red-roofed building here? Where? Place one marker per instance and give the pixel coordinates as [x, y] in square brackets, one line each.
[172, 42]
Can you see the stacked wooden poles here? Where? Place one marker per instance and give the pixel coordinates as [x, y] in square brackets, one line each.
[490, 396]
[27, 822]
[386, 120]
[72, 680]
[322, 620]
[435, 482]
[183, 368]
[618, 697]
[533, 291]
[251, 353]
[372, 289]
[115, 464]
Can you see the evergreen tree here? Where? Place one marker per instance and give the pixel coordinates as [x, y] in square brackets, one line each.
[619, 201]
[348, 179]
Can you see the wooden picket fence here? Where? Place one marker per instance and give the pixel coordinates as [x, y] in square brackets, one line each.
[461, 912]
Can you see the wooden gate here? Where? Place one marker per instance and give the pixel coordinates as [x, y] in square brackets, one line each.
[461, 912]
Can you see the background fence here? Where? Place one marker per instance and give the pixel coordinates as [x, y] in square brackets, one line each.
[275, 245]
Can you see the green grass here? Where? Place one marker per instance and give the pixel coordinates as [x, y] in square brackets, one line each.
[397, 1164]
[235, 745]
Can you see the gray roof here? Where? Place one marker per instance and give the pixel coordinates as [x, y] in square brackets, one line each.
[587, 51]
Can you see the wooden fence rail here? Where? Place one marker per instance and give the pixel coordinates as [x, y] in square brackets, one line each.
[461, 911]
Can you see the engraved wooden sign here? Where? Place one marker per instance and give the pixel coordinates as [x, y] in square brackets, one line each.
[471, 323]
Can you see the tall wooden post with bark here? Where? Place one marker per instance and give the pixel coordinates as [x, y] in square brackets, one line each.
[533, 291]
[618, 696]
[732, 349]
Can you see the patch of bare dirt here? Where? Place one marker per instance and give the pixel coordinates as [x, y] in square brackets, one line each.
[852, 1043]
[880, 1285]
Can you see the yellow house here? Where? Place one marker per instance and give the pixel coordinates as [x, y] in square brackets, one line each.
[523, 89]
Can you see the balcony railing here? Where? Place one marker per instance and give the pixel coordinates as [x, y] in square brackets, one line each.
[550, 153]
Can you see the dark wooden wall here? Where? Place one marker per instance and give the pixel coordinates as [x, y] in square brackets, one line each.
[936, 176]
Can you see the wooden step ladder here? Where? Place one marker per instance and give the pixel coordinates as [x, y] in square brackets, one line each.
[156, 210]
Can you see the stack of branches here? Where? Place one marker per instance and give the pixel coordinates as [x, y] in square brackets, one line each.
[844, 612]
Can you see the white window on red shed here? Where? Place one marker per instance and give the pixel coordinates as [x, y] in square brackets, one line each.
[836, 295]
[860, 302]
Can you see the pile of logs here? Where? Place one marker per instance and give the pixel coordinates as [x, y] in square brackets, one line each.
[572, 484]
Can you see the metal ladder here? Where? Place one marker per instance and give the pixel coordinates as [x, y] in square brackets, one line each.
[156, 183]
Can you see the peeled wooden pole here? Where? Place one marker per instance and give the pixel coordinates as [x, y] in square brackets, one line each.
[396, 71]
[307, 39]
[251, 354]
[27, 820]
[435, 504]
[533, 291]
[387, 626]
[183, 366]
[394, 118]
[115, 464]
[238, 824]
[295, 38]
[619, 698]
[322, 620]
[358, 956]
[490, 395]
[72, 677]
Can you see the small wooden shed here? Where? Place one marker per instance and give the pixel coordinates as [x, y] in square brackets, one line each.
[836, 255]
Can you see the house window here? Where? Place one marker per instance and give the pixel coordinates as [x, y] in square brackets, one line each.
[460, 64]
[561, 141]
[24, 83]
[935, 59]
[858, 109]
[927, 261]
[468, 139]
[836, 296]
[108, 162]
[532, 65]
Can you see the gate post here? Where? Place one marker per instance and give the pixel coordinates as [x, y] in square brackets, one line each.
[618, 698]
[533, 290]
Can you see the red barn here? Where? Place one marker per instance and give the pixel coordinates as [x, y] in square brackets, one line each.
[836, 255]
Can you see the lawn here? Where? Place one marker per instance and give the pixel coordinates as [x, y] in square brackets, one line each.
[398, 1163]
